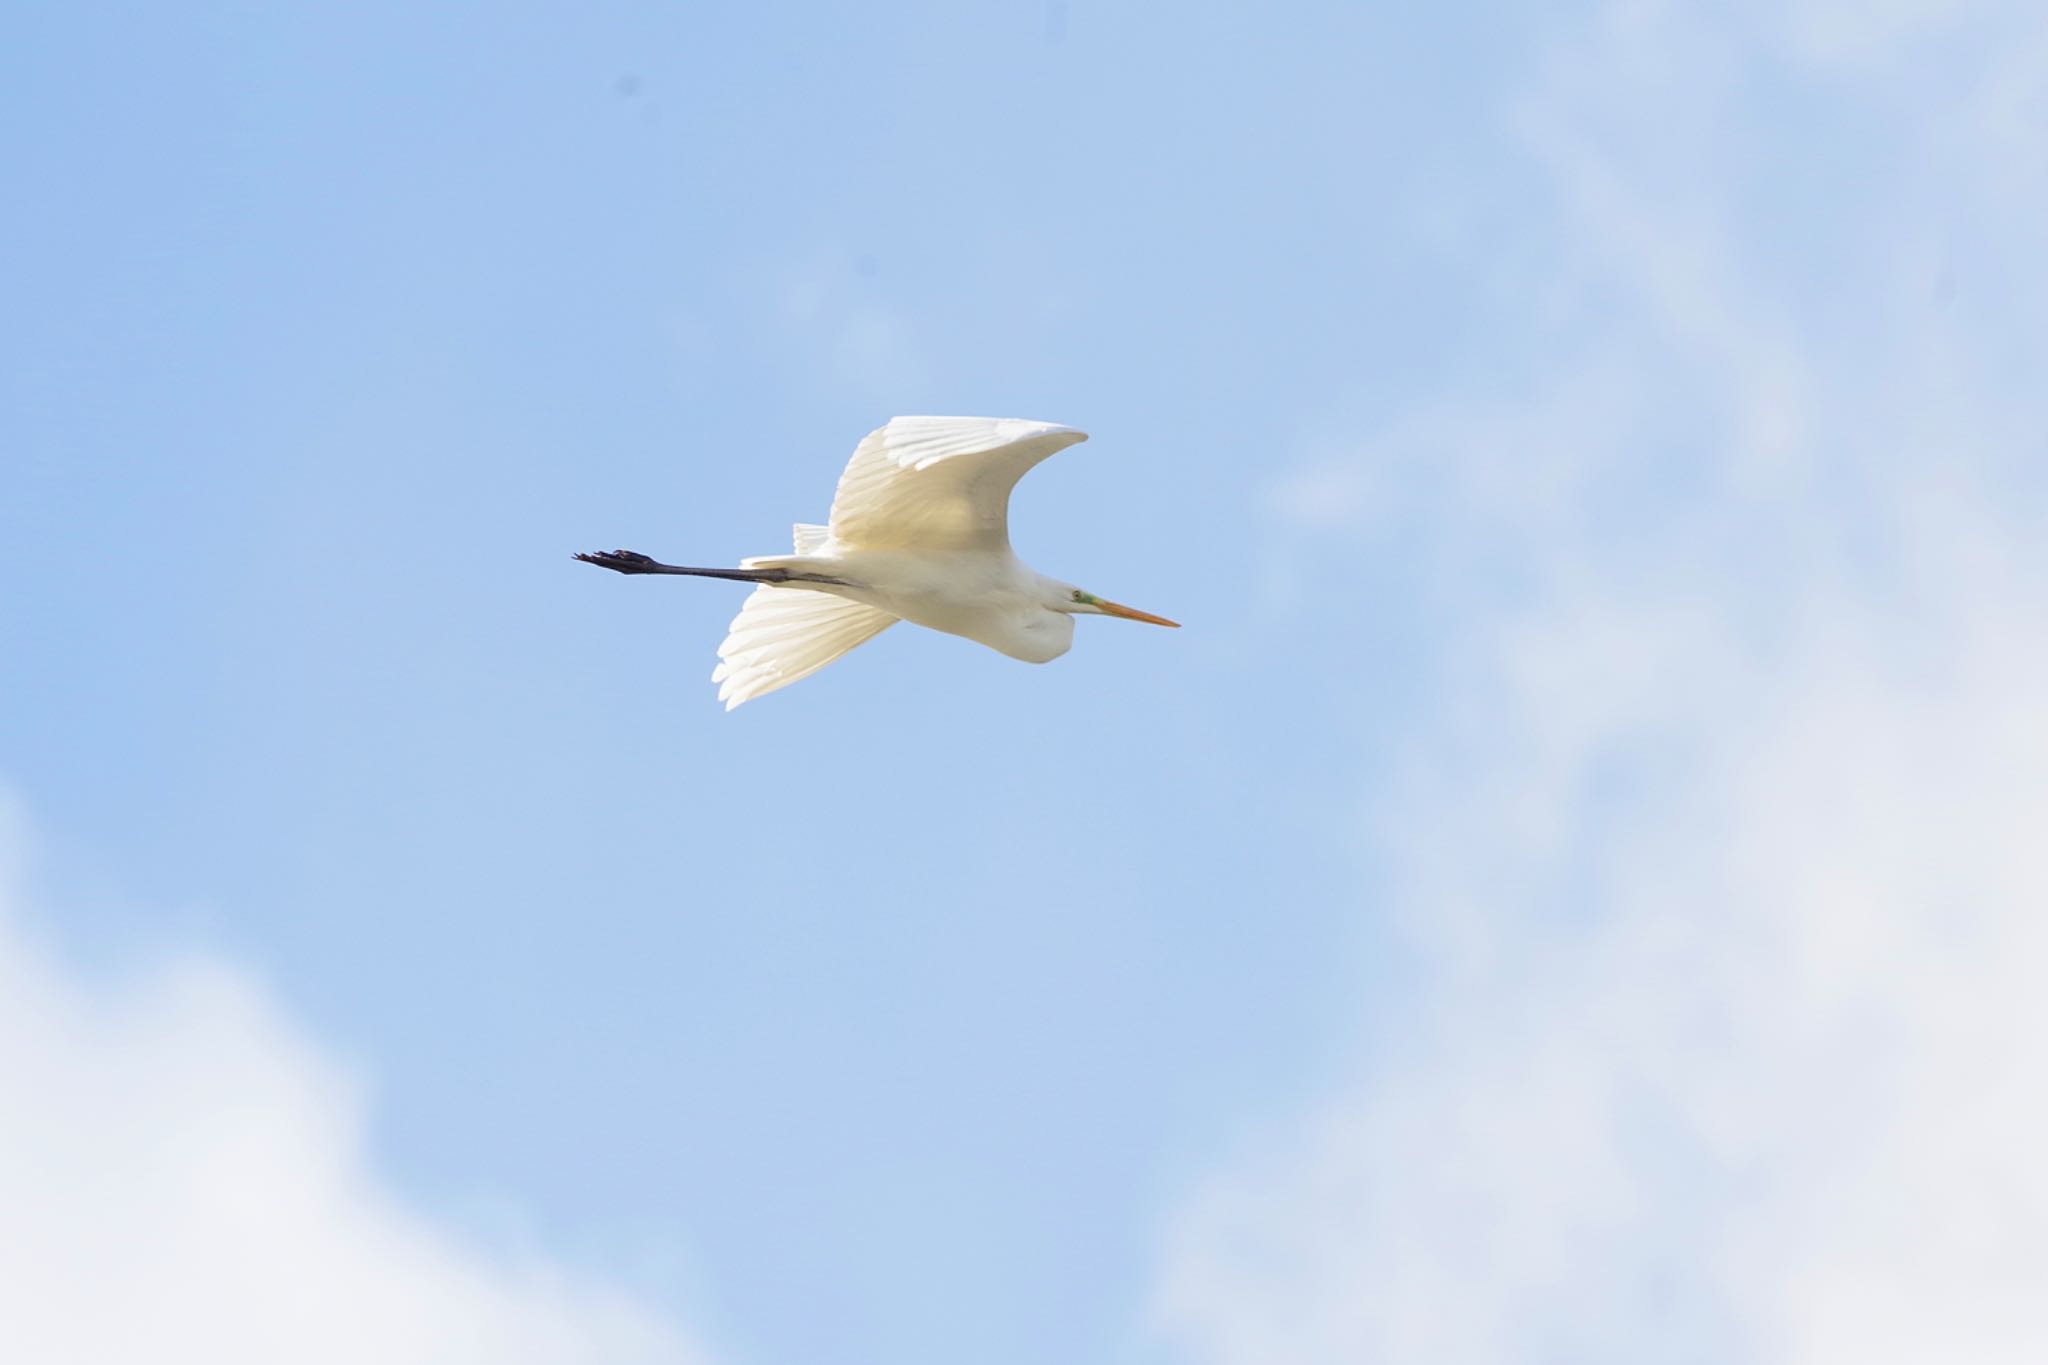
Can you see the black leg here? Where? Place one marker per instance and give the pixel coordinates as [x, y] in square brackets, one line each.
[632, 561]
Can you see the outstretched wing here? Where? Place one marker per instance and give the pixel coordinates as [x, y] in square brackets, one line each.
[939, 483]
[783, 634]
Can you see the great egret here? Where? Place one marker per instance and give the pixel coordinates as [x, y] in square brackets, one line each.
[919, 532]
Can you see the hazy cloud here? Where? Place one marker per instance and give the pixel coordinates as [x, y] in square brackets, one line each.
[1722, 850]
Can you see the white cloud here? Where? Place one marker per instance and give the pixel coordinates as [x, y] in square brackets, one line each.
[1724, 852]
[182, 1178]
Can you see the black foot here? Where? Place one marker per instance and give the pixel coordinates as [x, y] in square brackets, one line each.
[621, 561]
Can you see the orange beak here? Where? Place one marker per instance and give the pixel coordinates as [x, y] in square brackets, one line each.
[1133, 614]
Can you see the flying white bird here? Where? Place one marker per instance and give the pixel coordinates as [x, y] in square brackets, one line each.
[919, 532]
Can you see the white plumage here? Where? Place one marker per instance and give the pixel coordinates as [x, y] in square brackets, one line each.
[939, 483]
[783, 634]
[919, 532]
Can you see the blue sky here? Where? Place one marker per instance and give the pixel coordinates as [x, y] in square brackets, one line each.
[1553, 426]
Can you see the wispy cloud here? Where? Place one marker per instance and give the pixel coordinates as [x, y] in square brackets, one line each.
[1722, 851]
[182, 1178]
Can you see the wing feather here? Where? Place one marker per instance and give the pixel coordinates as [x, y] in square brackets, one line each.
[939, 483]
[783, 634]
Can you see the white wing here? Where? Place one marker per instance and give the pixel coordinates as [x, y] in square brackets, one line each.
[783, 634]
[939, 483]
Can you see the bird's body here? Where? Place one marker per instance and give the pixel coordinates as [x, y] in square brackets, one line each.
[990, 597]
[920, 533]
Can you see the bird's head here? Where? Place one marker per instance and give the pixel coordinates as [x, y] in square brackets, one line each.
[1072, 600]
